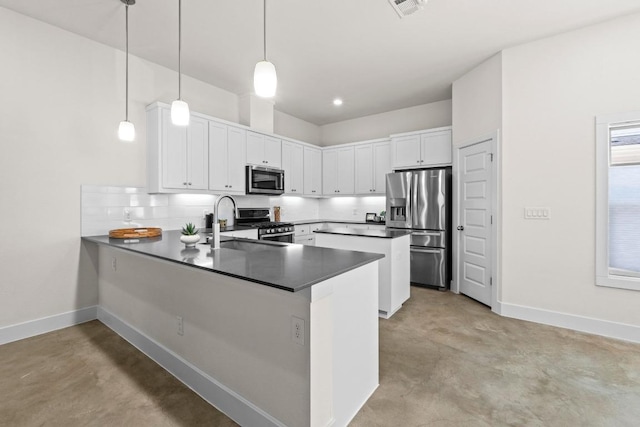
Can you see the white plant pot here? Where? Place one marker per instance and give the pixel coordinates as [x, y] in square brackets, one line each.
[190, 241]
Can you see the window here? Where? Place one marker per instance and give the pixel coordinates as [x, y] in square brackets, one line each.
[618, 201]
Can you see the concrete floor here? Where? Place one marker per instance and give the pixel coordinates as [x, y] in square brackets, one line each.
[445, 360]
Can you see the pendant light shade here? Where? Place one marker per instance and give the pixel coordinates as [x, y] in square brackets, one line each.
[265, 80]
[179, 109]
[180, 113]
[126, 130]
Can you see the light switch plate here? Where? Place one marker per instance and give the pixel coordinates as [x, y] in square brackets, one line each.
[537, 213]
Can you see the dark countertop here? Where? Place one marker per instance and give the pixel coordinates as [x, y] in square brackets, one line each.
[383, 234]
[335, 221]
[280, 265]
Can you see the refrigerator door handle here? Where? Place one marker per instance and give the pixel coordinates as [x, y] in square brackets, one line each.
[427, 250]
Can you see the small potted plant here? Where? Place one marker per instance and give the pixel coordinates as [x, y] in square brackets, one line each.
[190, 235]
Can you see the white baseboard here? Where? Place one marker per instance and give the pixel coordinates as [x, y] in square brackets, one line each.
[47, 324]
[224, 399]
[621, 331]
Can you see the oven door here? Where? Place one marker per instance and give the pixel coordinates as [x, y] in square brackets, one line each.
[262, 180]
[280, 237]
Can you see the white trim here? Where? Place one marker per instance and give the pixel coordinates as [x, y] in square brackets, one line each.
[621, 331]
[43, 325]
[496, 201]
[603, 273]
[222, 398]
[418, 132]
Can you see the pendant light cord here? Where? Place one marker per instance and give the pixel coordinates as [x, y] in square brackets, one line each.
[264, 27]
[180, 49]
[126, 102]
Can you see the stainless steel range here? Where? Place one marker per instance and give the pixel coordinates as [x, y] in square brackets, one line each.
[267, 230]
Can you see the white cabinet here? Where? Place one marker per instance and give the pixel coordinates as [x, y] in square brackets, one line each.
[177, 157]
[312, 171]
[422, 149]
[292, 164]
[338, 171]
[263, 150]
[226, 158]
[245, 234]
[372, 163]
[436, 148]
[304, 234]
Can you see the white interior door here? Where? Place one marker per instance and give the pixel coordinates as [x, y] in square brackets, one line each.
[475, 221]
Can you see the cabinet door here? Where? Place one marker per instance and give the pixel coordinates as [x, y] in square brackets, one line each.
[236, 149]
[198, 154]
[272, 152]
[330, 172]
[364, 169]
[218, 165]
[346, 163]
[436, 148]
[255, 149]
[174, 153]
[292, 159]
[312, 171]
[381, 166]
[406, 151]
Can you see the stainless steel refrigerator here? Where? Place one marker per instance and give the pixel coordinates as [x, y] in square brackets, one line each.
[421, 202]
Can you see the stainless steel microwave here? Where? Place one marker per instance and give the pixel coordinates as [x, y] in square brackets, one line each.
[261, 180]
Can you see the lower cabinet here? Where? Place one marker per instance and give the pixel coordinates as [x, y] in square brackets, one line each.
[245, 234]
[304, 233]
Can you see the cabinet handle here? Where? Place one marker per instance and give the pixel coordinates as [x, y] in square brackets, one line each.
[184, 183]
[226, 186]
[313, 191]
[231, 186]
[421, 161]
[190, 184]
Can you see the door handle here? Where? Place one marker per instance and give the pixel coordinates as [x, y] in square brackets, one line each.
[460, 227]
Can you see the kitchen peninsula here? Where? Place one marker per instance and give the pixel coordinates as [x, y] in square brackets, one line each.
[272, 334]
[394, 268]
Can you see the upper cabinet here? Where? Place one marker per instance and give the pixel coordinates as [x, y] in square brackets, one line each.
[263, 150]
[292, 164]
[226, 158]
[312, 171]
[422, 149]
[338, 171]
[372, 163]
[177, 157]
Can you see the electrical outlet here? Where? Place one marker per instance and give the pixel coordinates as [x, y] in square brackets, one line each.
[205, 213]
[180, 325]
[114, 263]
[127, 214]
[297, 330]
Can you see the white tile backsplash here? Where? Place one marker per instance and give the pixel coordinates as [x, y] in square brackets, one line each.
[103, 208]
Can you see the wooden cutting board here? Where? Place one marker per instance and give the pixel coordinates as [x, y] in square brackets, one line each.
[135, 233]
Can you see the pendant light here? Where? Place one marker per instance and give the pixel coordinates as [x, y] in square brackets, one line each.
[179, 108]
[265, 79]
[126, 130]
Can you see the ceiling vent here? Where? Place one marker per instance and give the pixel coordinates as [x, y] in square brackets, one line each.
[407, 7]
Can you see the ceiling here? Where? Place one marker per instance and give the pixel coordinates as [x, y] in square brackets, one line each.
[359, 50]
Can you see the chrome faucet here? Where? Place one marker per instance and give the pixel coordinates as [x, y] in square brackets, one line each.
[215, 238]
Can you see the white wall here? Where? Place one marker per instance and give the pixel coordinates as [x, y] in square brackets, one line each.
[553, 89]
[293, 127]
[382, 125]
[350, 208]
[62, 100]
[477, 101]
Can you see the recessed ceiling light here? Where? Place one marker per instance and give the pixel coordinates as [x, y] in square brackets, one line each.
[337, 102]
